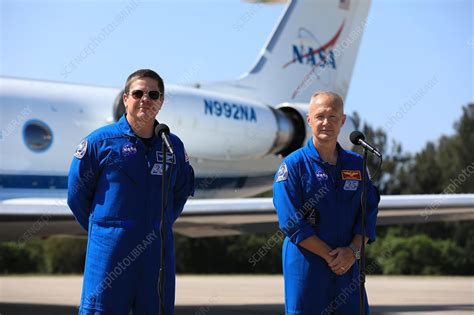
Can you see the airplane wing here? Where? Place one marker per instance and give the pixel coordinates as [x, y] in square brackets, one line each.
[47, 213]
[220, 217]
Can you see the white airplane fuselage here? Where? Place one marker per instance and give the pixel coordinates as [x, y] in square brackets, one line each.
[232, 142]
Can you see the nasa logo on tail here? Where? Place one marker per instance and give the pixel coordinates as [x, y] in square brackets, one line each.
[307, 50]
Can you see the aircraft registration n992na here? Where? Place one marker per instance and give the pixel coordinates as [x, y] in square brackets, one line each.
[236, 132]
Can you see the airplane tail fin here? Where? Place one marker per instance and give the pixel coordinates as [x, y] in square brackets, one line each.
[313, 47]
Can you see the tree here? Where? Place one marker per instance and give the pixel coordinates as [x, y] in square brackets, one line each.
[427, 172]
[445, 166]
[394, 160]
[456, 155]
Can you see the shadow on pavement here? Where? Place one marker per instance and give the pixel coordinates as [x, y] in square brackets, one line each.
[40, 309]
[274, 309]
[435, 309]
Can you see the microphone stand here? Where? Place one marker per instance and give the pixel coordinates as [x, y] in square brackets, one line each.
[362, 249]
[162, 231]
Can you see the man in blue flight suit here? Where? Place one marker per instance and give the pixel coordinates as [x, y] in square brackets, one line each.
[115, 194]
[316, 193]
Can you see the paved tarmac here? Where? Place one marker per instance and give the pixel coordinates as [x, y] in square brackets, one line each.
[230, 294]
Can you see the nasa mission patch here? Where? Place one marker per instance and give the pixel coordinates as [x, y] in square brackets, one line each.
[129, 149]
[282, 173]
[81, 149]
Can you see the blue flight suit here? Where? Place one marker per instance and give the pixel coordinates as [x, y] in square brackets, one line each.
[313, 197]
[114, 191]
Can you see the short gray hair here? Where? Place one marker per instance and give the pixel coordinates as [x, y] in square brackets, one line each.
[332, 94]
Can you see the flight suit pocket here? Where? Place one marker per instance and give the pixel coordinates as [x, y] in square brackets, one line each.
[111, 238]
[124, 166]
[351, 189]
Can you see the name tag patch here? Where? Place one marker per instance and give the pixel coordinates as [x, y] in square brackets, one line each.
[158, 169]
[351, 185]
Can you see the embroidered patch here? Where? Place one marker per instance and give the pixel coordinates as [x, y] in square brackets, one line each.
[158, 169]
[282, 173]
[321, 175]
[169, 157]
[351, 175]
[351, 185]
[81, 149]
[129, 149]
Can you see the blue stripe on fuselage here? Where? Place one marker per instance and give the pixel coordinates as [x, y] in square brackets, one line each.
[60, 182]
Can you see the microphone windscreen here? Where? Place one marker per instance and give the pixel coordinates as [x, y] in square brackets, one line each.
[356, 136]
[160, 128]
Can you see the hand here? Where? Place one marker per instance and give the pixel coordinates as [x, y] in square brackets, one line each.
[328, 258]
[343, 260]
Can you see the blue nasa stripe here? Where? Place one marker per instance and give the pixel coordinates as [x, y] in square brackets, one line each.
[33, 181]
[60, 182]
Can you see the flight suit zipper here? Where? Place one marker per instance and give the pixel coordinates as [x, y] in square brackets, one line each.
[147, 176]
[337, 196]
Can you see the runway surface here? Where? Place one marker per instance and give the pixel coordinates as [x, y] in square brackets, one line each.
[230, 294]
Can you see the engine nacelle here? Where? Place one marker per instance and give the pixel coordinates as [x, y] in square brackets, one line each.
[118, 108]
[297, 112]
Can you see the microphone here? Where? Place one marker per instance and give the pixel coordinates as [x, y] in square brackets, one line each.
[161, 130]
[358, 138]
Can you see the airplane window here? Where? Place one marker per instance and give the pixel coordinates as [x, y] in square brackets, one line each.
[37, 136]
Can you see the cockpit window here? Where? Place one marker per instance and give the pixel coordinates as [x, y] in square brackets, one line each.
[37, 135]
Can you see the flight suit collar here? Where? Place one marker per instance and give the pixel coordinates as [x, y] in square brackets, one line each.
[125, 127]
[314, 154]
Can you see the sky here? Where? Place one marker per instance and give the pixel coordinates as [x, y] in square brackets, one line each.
[413, 74]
